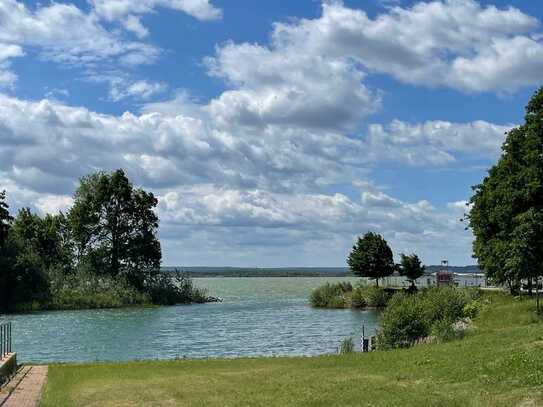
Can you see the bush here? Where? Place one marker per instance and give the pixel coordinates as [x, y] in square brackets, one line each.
[370, 296]
[358, 300]
[402, 322]
[471, 309]
[443, 303]
[409, 318]
[174, 288]
[346, 346]
[86, 290]
[331, 295]
[445, 331]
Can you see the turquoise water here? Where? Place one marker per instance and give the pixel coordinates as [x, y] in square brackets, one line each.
[259, 317]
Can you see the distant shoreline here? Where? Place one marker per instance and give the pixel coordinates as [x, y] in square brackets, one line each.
[207, 272]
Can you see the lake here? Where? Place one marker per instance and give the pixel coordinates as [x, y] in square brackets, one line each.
[259, 317]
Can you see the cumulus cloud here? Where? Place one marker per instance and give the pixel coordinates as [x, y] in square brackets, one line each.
[289, 85]
[434, 142]
[129, 11]
[8, 51]
[262, 165]
[66, 34]
[278, 179]
[452, 43]
[142, 89]
[307, 221]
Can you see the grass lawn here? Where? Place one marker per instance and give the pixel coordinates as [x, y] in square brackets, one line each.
[499, 364]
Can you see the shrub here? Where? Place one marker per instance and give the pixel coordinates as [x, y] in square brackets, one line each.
[330, 295]
[471, 309]
[402, 322]
[86, 290]
[174, 288]
[409, 318]
[358, 300]
[346, 346]
[370, 296]
[443, 303]
[445, 331]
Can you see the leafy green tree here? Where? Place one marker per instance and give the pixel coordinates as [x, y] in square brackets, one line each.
[47, 239]
[5, 219]
[371, 257]
[114, 227]
[507, 207]
[23, 269]
[6, 265]
[411, 267]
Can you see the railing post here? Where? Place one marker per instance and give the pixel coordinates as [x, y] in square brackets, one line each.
[5, 339]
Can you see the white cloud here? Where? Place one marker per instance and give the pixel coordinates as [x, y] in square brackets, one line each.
[64, 33]
[452, 43]
[122, 9]
[129, 12]
[434, 142]
[54, 203]
[7, 51]
[289, 85]
[210, 180]
[307, 222]
[140, 90]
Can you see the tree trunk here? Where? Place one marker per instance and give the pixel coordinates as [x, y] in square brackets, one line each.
[377, 282]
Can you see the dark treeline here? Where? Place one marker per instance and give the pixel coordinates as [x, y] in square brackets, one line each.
[104, 252]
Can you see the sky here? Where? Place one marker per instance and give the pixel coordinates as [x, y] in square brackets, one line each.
[272, 132]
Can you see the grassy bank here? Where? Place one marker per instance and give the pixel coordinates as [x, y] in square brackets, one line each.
[499, 364]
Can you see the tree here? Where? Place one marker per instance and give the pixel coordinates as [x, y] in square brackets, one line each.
[23, 277]
[507, 207]
[5, 219]
[411, 267]
[5, 258]
[114, 227]
[371, 257]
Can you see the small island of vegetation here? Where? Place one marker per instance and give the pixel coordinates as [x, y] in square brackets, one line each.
[104, 252]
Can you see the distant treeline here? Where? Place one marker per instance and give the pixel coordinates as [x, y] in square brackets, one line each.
[291, 271]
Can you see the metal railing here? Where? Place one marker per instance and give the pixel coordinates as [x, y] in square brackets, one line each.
[5, 339]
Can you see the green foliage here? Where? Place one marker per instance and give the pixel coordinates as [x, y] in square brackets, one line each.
[5, 219]
[358, 298]
[104, 253]
[370, 296]
[346, 346]
[330, 295]
[507, 207]
[411, 267]
[444, 331]
[174, 288]
[409, 318]
[472, 309]
[88, 290]
[343, 295]
[114, 227]
[371, 257]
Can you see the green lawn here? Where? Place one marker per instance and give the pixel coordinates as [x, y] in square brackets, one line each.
[499, 364]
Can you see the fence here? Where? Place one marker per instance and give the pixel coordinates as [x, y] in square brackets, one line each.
[5, 339]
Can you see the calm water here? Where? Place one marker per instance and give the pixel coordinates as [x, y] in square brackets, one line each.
[259, 316]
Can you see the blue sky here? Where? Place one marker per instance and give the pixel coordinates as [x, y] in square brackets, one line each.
[272, 132]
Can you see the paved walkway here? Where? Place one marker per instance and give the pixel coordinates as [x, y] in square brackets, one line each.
[25, 389]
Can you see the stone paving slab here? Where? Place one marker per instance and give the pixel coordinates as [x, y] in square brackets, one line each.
[25, 389]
